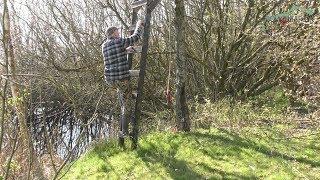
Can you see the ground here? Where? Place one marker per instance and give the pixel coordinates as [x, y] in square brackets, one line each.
[256, 152]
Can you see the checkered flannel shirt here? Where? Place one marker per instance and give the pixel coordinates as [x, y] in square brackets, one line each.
[115, 56]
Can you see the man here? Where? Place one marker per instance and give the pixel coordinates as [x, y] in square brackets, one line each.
[116, 71]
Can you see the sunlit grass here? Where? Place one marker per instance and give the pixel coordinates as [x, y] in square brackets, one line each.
[251, 153]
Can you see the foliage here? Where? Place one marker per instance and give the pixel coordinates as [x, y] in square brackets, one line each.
[231, 56]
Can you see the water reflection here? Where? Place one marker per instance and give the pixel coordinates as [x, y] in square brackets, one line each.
[59, 132]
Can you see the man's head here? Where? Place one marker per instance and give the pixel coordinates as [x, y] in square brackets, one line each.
[113, 32]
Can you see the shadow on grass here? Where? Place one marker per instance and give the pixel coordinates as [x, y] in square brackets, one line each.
[225, 175]
[235, 140]
[153, 152]
[104, 151]
[150, 153]
[178, 169]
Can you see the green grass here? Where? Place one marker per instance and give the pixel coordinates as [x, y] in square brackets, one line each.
[250, 153]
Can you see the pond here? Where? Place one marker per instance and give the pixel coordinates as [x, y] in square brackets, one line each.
[61, 133]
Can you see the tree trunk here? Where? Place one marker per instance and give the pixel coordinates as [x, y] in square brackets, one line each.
[4, 86]
[181, 107]
[15, 90]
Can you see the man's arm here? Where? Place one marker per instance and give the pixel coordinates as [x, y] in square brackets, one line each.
[135, 36]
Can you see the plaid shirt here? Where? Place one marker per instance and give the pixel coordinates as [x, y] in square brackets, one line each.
[115, 56]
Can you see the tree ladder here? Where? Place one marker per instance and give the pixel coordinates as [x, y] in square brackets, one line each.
[136, 7]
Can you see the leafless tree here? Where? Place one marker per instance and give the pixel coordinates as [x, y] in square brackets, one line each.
[181, 107]
[16, 93]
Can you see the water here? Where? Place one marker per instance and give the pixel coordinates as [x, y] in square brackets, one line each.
[61, 131]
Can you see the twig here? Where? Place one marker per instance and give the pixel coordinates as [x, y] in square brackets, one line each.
[164, 52]
[310, 24]
[2, 76]
[94, 116]
[32, 75]
[78, 141]
[67, 159]
[14, 148]
[3, 112]
[114, 9]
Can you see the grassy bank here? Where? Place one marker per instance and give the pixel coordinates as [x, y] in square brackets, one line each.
[251, 153]
[262, 138]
